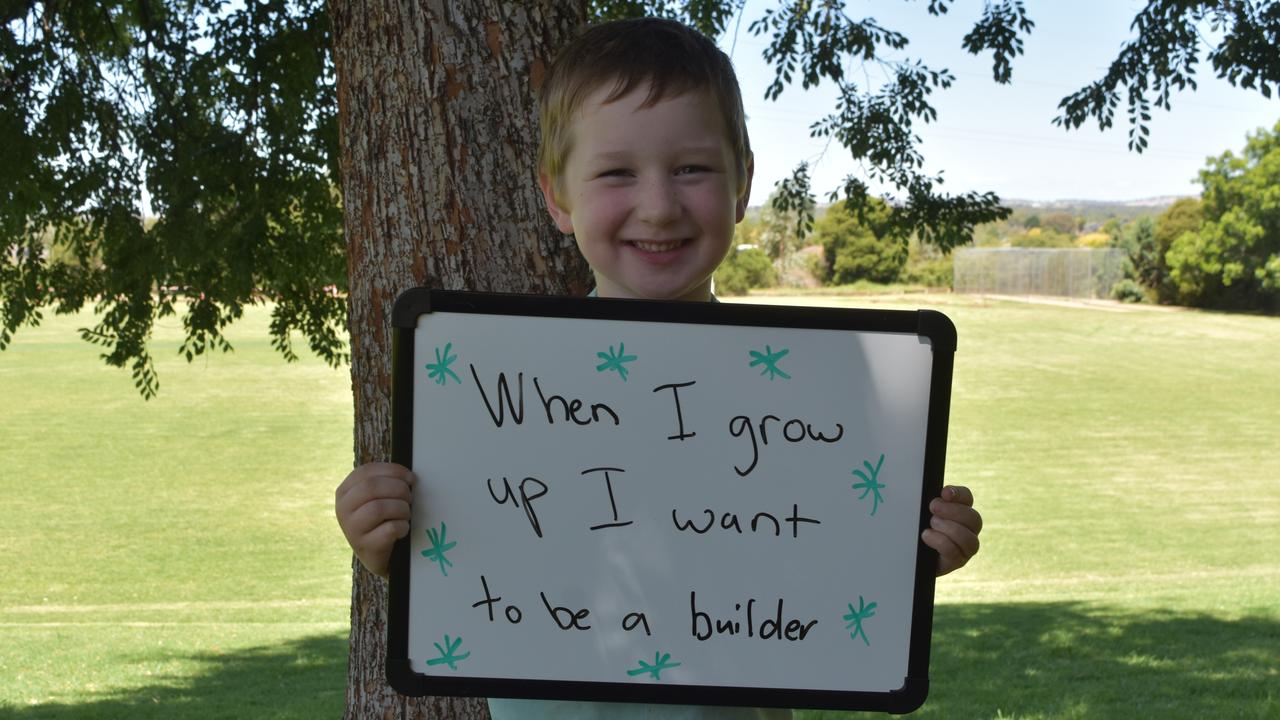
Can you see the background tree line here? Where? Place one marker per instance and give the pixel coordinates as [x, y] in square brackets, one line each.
[1220, 250]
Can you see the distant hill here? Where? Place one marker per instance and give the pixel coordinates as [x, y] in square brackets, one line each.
[1160, 202]
[1157, 203]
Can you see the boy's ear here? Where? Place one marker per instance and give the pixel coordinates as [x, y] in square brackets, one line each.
[561, 215]
[746, 191]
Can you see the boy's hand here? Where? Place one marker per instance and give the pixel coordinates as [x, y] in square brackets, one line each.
[954, 528]
[372, 506]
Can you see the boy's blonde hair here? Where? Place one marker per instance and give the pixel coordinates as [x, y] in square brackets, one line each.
[669, 57]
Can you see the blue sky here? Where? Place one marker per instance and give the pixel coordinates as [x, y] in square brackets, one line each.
[1000, 137]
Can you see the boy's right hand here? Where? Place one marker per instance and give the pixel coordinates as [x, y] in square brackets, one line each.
[372, 506]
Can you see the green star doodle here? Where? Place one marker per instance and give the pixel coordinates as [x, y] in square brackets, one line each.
[439, 370]
[449, 656]
[614, 361]
[438, 548]
[655, 670]
[869, 484]
[855, 618]
[770, 359]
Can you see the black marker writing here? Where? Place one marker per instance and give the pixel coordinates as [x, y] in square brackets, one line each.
[513, 613]
[504, 393]
[570, 408]
[564, 617]
[704, 626]
[634, 619]
[793, 431]
[729, 521]
[525, 500]
[675, 394]
[608, 483]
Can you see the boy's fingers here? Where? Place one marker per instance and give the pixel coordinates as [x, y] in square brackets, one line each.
[374, 548]
[941, 543]
[965, 540]
[395, 470]
[374, 488]
[957, 512]
[382, 537]
[371, 470]
[958, 494]
[379, 487]
[373, 508]
[950, 557]
[396, 528]
[364, 519]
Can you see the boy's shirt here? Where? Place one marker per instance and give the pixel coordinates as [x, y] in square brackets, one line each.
[501, 709]
[593, 294]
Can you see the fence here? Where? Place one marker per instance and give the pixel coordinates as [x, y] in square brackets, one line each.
[1070, 272]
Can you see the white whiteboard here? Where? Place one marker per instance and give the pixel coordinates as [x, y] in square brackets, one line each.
[663, 504]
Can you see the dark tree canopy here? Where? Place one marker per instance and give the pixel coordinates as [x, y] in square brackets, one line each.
[224, 115]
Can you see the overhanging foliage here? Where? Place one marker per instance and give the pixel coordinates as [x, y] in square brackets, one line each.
[224, 115]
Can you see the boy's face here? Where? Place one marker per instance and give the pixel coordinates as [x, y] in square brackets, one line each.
[651, 194]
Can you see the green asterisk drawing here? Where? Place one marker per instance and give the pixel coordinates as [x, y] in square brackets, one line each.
[440, 371]
[438, 548]
[655, 670]
[614, 361]
[855, 618]
[448, 657]
[869, 484]
[770, 359]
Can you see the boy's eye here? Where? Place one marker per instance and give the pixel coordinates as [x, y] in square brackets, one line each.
[616, 172]
[692, 169]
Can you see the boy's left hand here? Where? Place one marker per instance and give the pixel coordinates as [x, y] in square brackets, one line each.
[954, 528]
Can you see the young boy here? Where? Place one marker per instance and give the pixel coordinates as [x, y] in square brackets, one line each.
[645, 161]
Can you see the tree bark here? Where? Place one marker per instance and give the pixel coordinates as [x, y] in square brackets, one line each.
[438, 121]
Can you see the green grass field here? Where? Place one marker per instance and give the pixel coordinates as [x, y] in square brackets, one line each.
[178, 557]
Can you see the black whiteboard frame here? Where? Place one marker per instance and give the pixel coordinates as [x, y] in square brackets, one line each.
[928, 324]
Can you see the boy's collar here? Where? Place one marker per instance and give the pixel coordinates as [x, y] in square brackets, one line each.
[593, 294]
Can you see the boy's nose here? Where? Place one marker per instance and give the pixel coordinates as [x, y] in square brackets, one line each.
[658, 203]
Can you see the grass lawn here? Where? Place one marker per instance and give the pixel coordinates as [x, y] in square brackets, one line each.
[178, 557]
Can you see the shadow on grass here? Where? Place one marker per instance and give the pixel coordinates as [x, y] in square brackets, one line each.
[300, 679]
[1056, 661]
[1046, 661]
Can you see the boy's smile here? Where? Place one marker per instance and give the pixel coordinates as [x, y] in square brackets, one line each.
[650, 193]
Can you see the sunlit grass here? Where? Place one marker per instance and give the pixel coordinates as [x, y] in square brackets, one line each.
[179, 557]
[150, 541]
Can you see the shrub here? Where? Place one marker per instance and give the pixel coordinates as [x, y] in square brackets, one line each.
[928, 266]
[935, 273]
[1128, 291]
[855, 250]
[743, 270]
[1094, 240]
[815, 263]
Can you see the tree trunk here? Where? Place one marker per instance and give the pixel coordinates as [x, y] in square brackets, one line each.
[437, 111]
